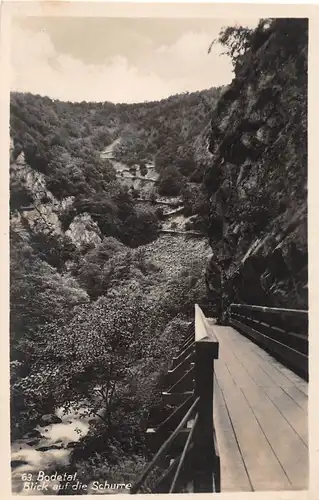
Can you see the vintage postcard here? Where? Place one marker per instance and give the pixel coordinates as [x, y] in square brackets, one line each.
[157, 159]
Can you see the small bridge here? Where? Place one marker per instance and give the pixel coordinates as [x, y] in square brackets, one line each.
[237, 397]
[175, 232]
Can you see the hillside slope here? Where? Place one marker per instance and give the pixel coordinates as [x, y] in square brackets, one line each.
[66, 145]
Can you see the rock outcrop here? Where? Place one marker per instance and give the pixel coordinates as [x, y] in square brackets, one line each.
[84, 231]
[257, 179]
[42, 211]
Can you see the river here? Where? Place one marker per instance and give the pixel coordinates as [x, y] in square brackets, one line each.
[45, 448]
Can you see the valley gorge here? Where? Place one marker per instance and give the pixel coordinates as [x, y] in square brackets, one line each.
[100, 295]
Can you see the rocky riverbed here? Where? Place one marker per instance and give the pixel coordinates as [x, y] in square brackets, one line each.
[46, 448]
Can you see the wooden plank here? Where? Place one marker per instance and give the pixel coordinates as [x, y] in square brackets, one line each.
[291, 383]
[290, 450]
[233, 473]
[178, 371]
[182, 355]
[277, 371]
[294, 358]
[290, 410]
[185, 383]
[294, 414]
[263, 468]
[175, 398]
[272, 310]
[288, 381]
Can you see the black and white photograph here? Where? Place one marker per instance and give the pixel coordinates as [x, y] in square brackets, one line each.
[158, 253]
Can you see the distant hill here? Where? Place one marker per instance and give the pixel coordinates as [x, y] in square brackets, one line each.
[163, 130]
[63, 141]
[166, 131]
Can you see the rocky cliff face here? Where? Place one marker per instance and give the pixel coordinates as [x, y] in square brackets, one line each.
[42, 211]
[257, 179]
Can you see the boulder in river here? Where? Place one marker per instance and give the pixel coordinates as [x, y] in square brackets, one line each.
[71, 444]
[17, 463]
[50, 447]
[33, 442]
[50, 419]
[34, 434]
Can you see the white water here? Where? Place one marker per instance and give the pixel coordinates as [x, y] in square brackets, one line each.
[71, 429]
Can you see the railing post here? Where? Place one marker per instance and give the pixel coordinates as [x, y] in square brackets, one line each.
[206, 350]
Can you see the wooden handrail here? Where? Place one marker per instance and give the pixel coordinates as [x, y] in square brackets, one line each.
[166, 476]
[271, 310]
[206, 351]
[163, 448]
[181, 461]
[202, 347]
[184, 353]
[281, 332]
[167, 425]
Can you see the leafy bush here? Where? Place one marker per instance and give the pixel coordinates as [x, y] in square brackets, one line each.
[170, 182]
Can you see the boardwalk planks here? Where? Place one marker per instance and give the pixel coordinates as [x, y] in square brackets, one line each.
[260, 415]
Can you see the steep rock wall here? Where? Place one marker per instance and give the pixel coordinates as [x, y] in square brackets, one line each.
[257, 179]
[43, 210]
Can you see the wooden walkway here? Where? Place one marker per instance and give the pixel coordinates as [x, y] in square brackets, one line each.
[260, 416]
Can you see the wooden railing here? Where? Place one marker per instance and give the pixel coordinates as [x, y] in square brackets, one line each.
[281, 332]
[187, 458]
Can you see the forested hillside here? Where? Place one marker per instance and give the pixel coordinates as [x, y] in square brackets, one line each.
[98, 302]
[169, 132]
[55, 136]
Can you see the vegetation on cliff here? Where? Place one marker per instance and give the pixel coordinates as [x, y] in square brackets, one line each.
[257, 181]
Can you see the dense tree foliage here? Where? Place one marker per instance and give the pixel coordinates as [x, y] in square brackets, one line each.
[99, 319]
[104, 336]
[170, 182]
[166, 131]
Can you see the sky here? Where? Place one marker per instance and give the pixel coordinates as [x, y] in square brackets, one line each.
[117, 59]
